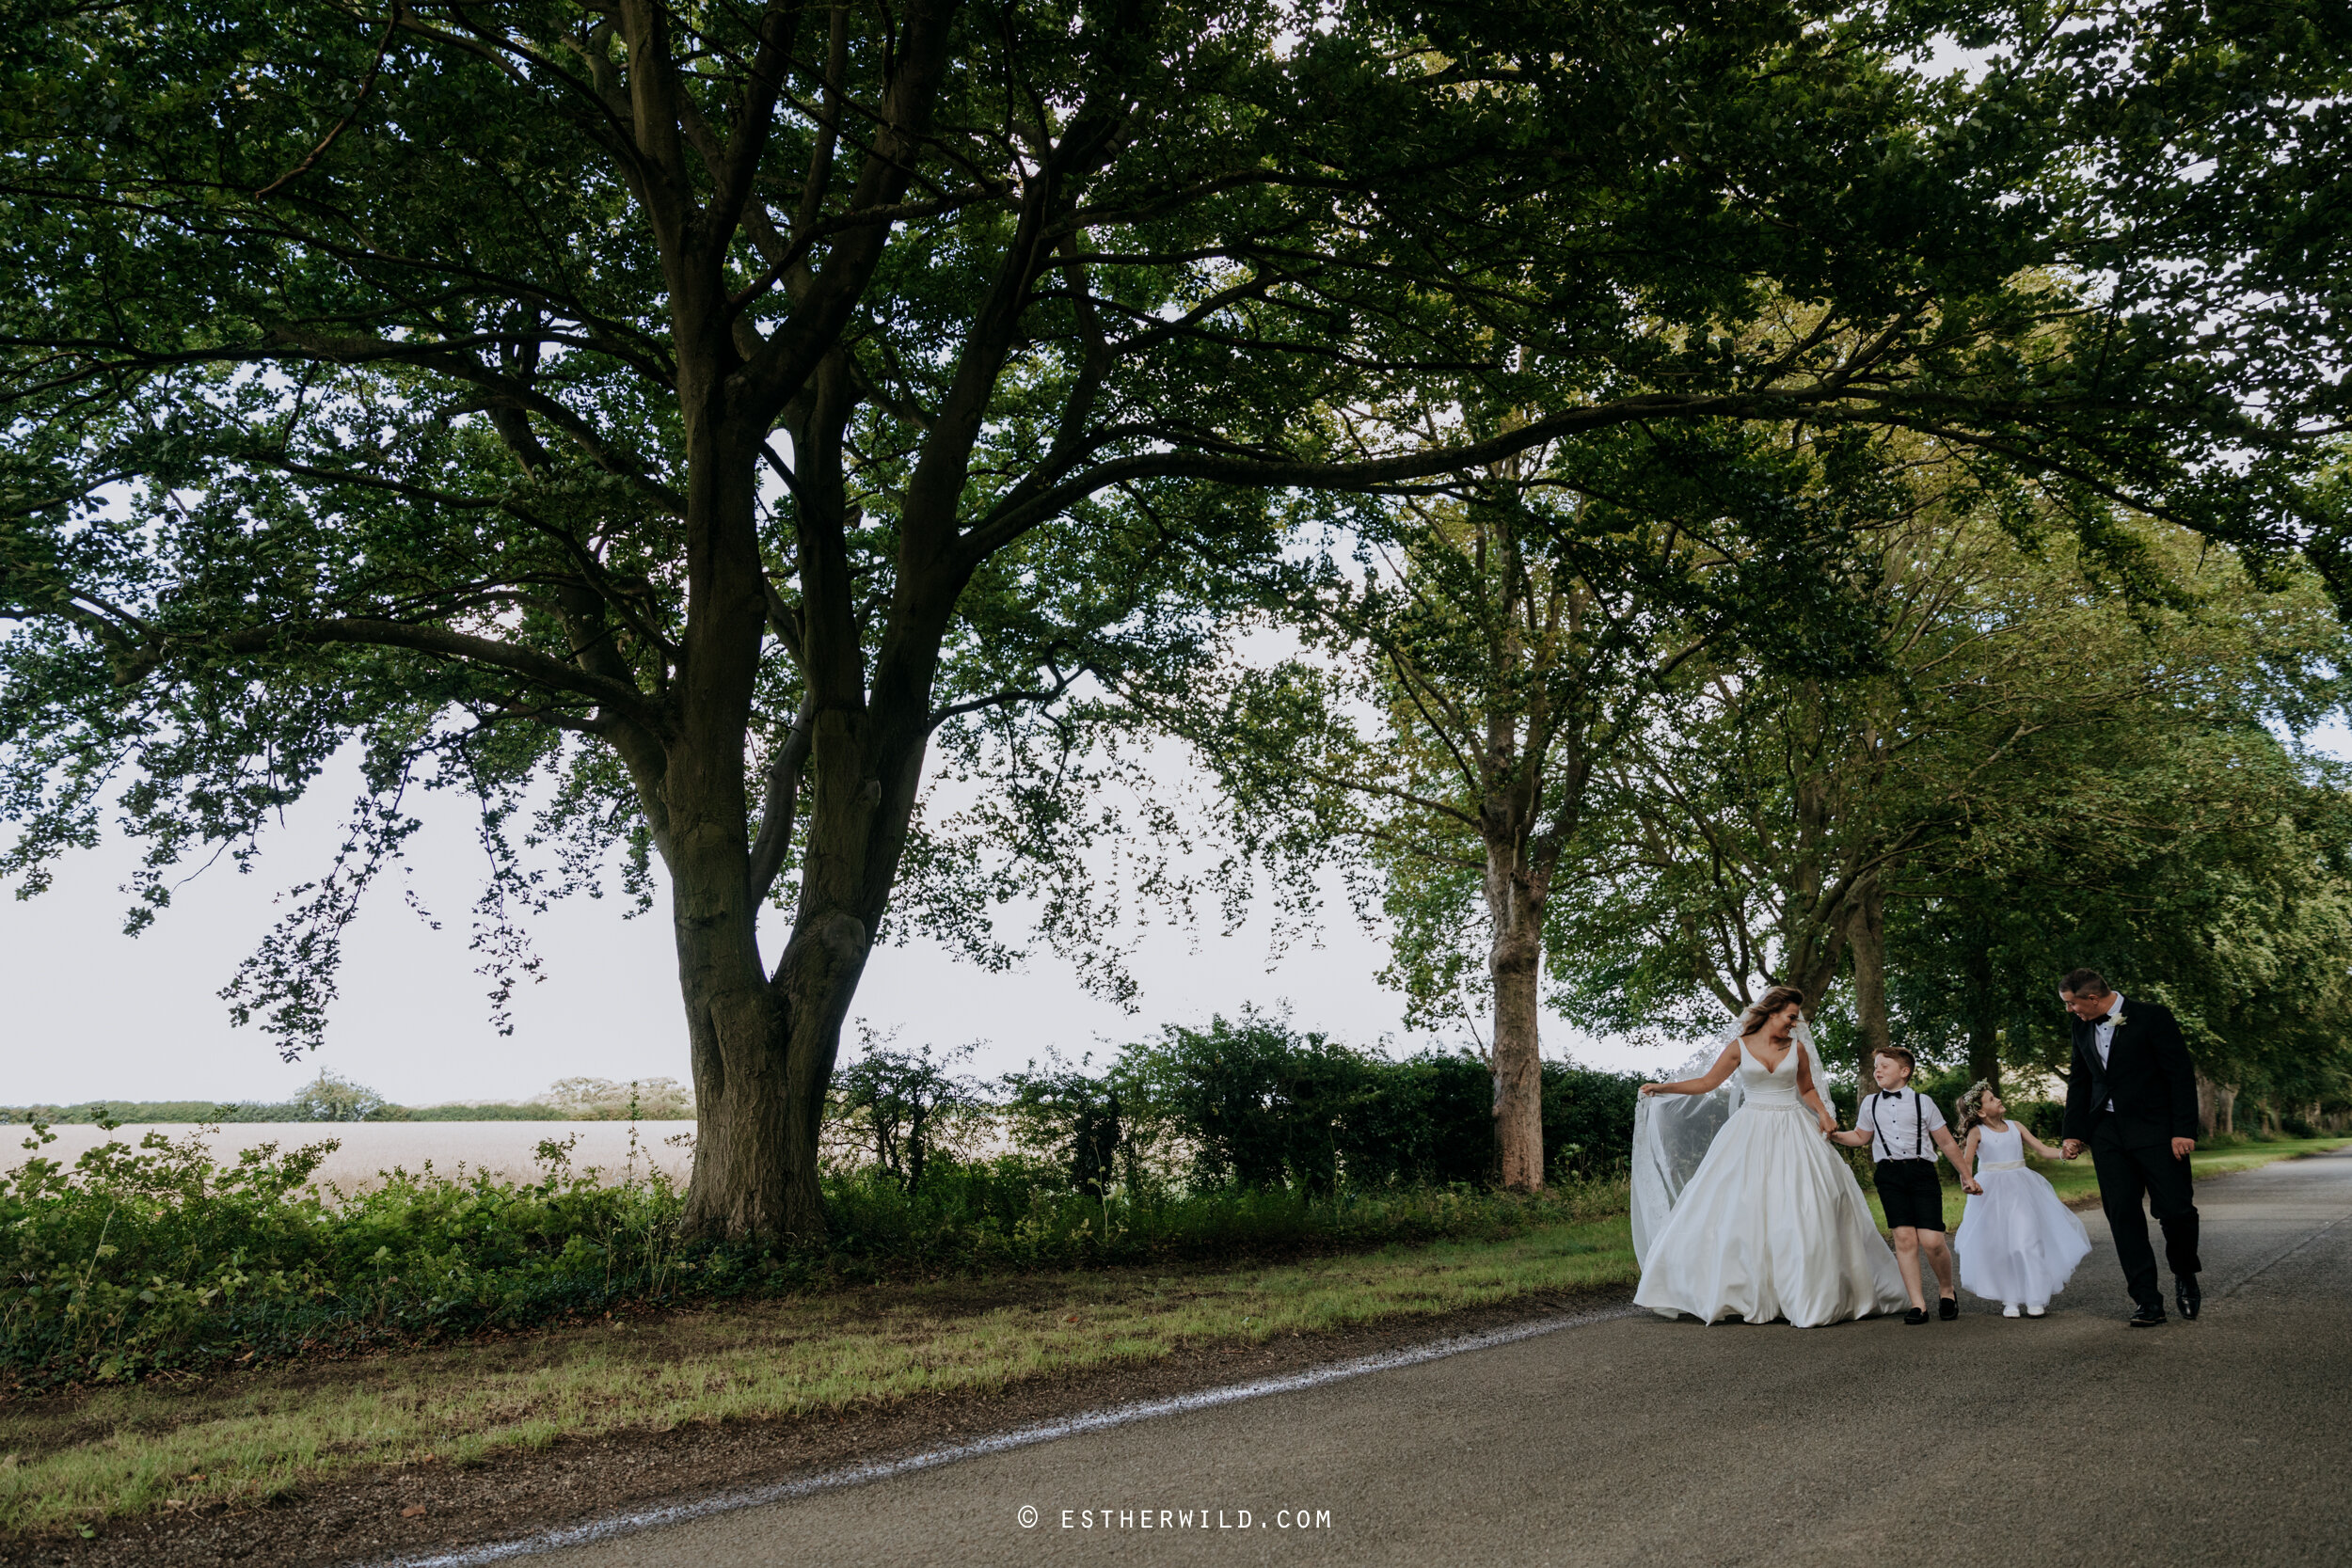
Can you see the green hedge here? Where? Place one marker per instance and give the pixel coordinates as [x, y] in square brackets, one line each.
[1242, 1139]
[136, 1259]
[1252, 1103]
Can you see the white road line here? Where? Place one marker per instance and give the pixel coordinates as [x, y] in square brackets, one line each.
[1094, 1421]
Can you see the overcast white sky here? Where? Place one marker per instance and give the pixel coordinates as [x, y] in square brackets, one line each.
[93, 1014]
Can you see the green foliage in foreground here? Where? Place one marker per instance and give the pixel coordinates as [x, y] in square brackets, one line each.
[132, 1261]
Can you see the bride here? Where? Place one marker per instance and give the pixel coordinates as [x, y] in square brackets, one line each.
[1772, 1224]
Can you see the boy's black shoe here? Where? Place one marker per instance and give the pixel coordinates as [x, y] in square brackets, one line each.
[1947, 1309]
[1917, 1315]
[2190, 1298]
[2149, 1317]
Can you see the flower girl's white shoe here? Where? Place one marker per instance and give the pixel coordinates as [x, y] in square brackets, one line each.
[2009, 1311]
[2035, 1311]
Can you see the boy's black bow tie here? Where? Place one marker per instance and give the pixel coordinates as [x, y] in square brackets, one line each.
[1892, 1094]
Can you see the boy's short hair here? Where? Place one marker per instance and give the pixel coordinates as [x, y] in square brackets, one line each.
[1910, 1063]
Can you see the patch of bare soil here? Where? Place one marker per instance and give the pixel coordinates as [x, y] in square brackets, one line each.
[368, 1518]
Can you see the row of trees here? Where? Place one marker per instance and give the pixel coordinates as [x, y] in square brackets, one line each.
[1627, 797]
[670, 423]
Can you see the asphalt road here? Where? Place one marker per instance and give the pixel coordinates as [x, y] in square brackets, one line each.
[2070, 1440]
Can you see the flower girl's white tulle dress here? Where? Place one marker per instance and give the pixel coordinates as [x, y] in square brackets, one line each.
[1772, 1223]
[2017, 1243]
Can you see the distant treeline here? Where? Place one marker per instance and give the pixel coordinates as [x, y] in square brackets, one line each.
[332, 1098]
[140, 1112]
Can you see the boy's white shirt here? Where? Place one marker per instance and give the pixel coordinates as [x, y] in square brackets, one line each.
[1895, 1134]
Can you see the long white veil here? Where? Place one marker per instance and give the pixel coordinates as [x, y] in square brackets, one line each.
[1672, 1131]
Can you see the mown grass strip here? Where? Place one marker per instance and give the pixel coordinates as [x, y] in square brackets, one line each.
[131, 1450]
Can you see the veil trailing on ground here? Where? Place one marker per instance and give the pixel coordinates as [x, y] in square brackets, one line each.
[1671, 1132]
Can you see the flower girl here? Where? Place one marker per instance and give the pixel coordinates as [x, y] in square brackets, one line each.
[2017, 1243]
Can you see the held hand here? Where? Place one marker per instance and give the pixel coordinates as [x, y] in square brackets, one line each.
[2180, 1147]
[1828, 1123]
[1972, 1186]
[2070, 1147]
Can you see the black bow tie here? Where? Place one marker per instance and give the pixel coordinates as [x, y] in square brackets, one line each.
[1893, 1094]
[2096, 1021]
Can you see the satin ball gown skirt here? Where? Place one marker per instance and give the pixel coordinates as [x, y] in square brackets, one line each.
[1771, 1226]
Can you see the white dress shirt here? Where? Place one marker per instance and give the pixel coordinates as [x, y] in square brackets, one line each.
[1902, 1124]
[2103, 1033]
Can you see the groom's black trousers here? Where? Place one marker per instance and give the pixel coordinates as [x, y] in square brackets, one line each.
[2126, 1175]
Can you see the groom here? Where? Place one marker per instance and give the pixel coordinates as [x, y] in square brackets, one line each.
[2132, 1100]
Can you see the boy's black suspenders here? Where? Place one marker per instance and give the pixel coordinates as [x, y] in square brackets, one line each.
[1919, 1126]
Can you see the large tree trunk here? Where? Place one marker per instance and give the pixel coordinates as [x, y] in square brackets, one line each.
[1515, 959]
[2216, 1106]
[1985, 1035]
[1866, 935]
[738, 1032]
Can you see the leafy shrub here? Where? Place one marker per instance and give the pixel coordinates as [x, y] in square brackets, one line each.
[1257, 1105]
[1429, 1120]
[1252, 1103]
[132, 1261]
[1076, 1120]
[1017, 1211]
[156, 1256]
[902, 1103]
[332, 1098]
[1242, 1139]
[1588, 1120]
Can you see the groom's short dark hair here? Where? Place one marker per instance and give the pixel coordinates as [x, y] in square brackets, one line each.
[2084, 982]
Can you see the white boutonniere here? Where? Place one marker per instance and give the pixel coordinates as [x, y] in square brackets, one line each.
[2121, 1021]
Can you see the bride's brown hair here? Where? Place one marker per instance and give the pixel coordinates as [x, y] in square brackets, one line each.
[1766, 1006]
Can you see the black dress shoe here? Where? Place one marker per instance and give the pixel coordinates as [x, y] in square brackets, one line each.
[1947, 1309]
[2148, 1317]
[1917, 1315]
[2189, 1296]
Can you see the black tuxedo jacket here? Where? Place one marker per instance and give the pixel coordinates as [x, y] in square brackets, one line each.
[2148, 1075]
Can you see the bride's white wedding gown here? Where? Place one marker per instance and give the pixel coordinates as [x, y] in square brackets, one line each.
[1772, 1223]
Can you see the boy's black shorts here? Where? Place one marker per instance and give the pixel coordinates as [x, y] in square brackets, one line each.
[1912, 1194]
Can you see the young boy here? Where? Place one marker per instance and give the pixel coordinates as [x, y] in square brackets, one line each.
[1904, 1129]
